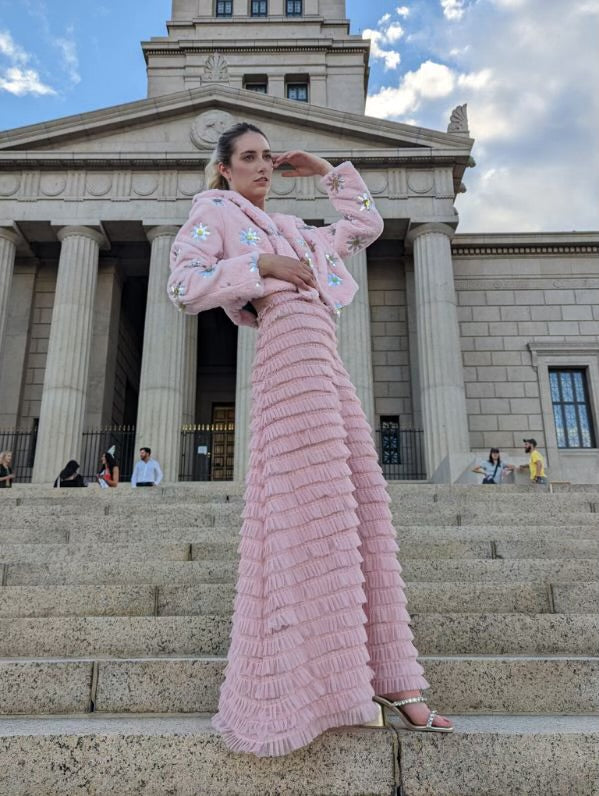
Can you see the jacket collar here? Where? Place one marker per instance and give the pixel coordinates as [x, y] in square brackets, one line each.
[259, 217]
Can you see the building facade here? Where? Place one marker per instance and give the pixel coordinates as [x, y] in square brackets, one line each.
[478, 340]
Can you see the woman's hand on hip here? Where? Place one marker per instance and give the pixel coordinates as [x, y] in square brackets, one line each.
[286, 268]
[303, 164]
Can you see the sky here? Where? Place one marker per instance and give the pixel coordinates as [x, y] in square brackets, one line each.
[528, 70]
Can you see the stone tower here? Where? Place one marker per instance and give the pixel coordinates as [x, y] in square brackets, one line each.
[294, 49]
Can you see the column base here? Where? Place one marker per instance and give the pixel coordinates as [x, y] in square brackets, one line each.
[454, 469]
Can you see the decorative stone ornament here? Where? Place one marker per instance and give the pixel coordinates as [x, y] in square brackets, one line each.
[458, 121]
[208, 127]
[216, 69]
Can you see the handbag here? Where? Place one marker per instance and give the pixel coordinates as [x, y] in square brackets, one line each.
[490, 479]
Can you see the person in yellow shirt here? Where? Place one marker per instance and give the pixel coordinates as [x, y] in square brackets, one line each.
[536, 463]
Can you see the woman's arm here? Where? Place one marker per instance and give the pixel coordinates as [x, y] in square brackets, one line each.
[201, 276]
[361, 224]
[115, 477]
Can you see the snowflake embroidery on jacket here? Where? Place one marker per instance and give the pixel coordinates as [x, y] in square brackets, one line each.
[301, 242]
[349, 217]
[365, 202]
[218, 200]
[194, 264]
[254, 263]
[249, 236]
[334, 280]
[208, 272]
[175, 252]
[176, 291]
[312, 246]
[332, 260]
[335, 182]
[308, 260]
[200, 231]
[355, 244]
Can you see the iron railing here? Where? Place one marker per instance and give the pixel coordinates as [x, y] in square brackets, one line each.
[206, 452]
[401, 454]
[22, 446]
[97, 441]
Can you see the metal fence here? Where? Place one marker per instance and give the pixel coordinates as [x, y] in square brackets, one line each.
[22, 446]
[401, 454]
[207, 452]
[97, 441]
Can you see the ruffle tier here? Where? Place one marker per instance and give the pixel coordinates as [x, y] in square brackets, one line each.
[320, 622]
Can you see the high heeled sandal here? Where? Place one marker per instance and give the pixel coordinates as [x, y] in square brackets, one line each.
[379, 721]
[396, 708]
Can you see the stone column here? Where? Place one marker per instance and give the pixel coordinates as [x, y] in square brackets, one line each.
[161, 382]
[8, 253]
[354, 339]
[246, 347]
[440, 359]
[191, 369]
[65, 381]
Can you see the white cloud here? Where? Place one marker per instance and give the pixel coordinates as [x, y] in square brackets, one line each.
[68, 47]
[429, 82]
[453, 9]
[11, 49]
[16, 79]
[402, 11]
[23, 81]
[378, 38]
[385, 18]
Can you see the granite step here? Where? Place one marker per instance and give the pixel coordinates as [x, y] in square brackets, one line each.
[434, 634]
[460, 684]
[51, 756]
[490, 755]
[490, 570]
[183, 755]
[217, 598]
[40, 553]
[222, 549]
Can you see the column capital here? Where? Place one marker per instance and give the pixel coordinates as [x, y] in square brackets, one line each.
[429, 228]
[160, 231]
[81, 231]
[9, 234]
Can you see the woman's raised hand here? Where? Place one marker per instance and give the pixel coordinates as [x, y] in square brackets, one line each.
[297, 272]
[303, 164]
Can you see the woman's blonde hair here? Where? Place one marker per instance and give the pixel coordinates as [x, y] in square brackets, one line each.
[223, 153]
[3, 456]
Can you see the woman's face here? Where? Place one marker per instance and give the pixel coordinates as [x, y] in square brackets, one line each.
[9, 458]
[495, 455]
[250, 170]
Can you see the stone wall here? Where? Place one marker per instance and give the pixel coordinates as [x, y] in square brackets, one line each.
[390, 349]
[508, 306]
[35, 362]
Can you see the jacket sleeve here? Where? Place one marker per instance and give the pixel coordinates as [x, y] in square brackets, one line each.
[361, 224]
[201, 276]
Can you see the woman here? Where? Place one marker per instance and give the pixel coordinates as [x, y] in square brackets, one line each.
[6, 473]
[69, 477]
[317, 541]
[108, 475]
[492, 469]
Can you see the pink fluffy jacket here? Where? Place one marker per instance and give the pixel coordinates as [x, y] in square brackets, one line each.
[214, 258]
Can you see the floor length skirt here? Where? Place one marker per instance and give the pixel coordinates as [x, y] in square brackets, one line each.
[320, 622]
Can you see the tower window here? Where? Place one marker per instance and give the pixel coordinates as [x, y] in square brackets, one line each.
[224, 8]
[294, 8]
[571, 408]
[257, 83]
[259, 8]
[297, 91]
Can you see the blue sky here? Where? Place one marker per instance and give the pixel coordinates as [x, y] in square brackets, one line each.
[527, 69]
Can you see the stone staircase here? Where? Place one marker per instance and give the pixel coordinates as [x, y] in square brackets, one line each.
[114, 622]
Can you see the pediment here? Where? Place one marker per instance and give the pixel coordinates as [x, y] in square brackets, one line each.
[187, 123]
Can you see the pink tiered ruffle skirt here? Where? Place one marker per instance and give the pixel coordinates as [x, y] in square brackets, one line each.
[320, 622]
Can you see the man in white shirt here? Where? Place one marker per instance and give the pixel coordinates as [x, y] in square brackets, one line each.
[147, 470]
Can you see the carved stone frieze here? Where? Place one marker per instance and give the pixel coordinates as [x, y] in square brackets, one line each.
[144, 184]
[458, 121]
[9, 184]
[216, 68]
[52, 184]
[98, 184]
[421, 182]
[207, 128]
